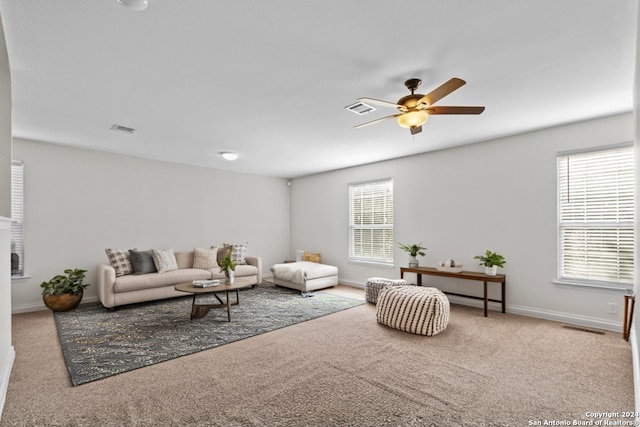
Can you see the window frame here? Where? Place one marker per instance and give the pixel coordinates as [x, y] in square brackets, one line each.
[622, 226]
[383, 261]
[17, 215]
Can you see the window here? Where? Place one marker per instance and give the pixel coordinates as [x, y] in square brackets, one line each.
[371, 222]
[596, 216]
[17, 216]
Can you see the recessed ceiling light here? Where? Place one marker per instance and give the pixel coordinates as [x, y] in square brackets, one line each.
[136, 5]
[228, 155]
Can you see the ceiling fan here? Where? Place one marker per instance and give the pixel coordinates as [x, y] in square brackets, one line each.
[415, 109]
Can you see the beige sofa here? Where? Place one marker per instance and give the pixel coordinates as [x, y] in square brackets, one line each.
[128, 289]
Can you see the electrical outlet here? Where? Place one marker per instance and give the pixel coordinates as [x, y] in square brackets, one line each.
[613, 308]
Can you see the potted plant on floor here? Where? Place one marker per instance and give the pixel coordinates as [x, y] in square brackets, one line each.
[64, 292]
[413, 250]
[491, 262]
[228, 266]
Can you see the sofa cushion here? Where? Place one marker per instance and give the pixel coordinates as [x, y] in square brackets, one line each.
[240, 271]
[246, 270]
[119, 260]
[184, 259]
[164, 260]
[142, 261]
[205, 258]
[298, 272]
[239, 252]
[157, 280]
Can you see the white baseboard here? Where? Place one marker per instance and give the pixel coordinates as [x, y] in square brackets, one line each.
[635, 363]
[349, 283]
[28, 308]
[585, 321]
[574, 319]
[5, 374]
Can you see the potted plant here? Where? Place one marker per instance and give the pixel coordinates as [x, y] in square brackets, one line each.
[228, 265]
[413, 250]
[64, 292]
[491, 262]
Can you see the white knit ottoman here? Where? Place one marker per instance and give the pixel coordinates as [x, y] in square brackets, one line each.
[374, 284]
[415, 309]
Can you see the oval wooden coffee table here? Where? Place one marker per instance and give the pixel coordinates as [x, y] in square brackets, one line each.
[200, 310]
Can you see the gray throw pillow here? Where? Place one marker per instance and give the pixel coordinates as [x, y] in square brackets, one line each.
[142, 262]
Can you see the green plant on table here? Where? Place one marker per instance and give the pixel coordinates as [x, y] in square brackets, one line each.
[227, 263]
[413, 250]
[489, 259]
[70, 283]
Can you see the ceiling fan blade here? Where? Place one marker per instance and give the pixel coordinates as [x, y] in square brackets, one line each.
[442, 91]
[454, 110]
[376, 121]
[415, 129]
[383, 103]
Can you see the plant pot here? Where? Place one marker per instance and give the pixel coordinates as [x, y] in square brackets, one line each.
[491, 271]
[63, 302]
[413, 261]
[230, 276]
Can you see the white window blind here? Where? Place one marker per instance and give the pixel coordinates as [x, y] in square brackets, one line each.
[17, 216]
[371, 222]
[596, 216]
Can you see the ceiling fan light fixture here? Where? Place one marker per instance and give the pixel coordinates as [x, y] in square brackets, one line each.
[137, 5]
[413, 118]
[229, 155]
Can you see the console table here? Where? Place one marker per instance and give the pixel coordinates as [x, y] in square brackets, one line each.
[465, 275]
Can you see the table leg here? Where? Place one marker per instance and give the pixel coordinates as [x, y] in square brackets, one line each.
[486, 299]
[228, 306]
[193, 307]
[504, 298]
[419, 278]
[633, 302]
[629, 301]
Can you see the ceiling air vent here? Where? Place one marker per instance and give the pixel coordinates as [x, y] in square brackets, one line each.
[360, 108]
[123, 128]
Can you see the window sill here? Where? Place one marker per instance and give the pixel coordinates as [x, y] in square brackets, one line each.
[18, 278]
[625, 289]
[372, 263]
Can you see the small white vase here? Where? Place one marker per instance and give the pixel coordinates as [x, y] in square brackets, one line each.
[413, 261]
[230, 276]
[491, 271]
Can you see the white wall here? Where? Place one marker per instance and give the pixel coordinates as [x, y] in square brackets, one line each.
[498, 195]
[79, 202]
[7, 352]
[634, 337]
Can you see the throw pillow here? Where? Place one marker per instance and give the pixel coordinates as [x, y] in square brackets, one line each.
[164, 260]
[311, 257]
[222, 252]
[119, 260]
[205, 258]
[239, 252]
[299, 255]
[142, 261]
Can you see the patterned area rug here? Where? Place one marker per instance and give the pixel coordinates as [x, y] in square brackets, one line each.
[97, 343]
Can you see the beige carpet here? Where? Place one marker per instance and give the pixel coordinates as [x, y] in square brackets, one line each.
[339, 370]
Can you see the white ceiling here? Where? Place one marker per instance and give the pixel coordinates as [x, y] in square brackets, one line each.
[269, 79]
